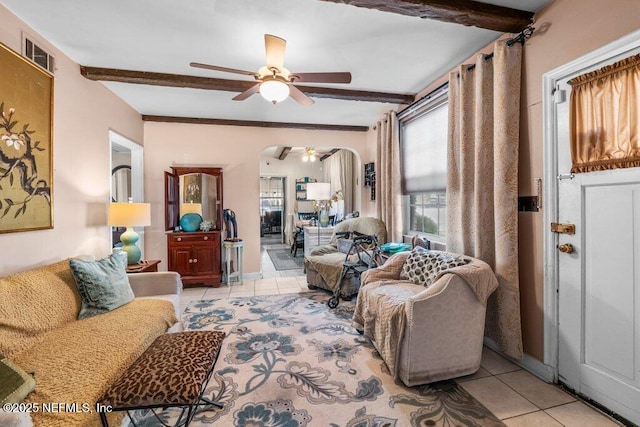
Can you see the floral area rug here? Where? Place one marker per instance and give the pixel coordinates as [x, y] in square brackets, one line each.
[290, 361]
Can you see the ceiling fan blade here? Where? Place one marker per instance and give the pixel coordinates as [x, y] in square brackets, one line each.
[225, 69]
[247, 93]
[274, 47]
[299, 96]
[322, 77]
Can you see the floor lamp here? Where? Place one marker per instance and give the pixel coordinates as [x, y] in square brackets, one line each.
[320, 192]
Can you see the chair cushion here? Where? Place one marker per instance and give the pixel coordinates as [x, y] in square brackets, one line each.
[423, 266]
[103, 284]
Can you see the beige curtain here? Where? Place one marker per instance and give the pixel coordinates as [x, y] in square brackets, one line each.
[338, 170]
[482, 178]
[388, 192]
[605, 117]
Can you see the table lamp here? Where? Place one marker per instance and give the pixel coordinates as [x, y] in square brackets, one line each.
[320, 192]
[191, 208]
[130, 215]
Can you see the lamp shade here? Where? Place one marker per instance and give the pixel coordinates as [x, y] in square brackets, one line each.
[186, 208]
[130, 214]
[318, 191]
[274, 90]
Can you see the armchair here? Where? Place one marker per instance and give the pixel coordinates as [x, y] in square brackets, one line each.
[324, 264]
[426, 334]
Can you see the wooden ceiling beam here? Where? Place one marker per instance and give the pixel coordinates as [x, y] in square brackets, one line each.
[465, 12]
[329, 154]
[210, 83]
[283, 154]
[226, 122]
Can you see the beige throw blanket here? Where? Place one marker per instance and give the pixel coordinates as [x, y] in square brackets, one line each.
[381, 308]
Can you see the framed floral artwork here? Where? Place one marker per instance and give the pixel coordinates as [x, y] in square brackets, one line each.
[26, 144]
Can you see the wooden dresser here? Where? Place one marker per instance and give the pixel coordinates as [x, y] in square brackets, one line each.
[195, 256]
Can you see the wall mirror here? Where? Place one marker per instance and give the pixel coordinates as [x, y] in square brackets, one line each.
[126, 178]
[121, 183]
[193, 190]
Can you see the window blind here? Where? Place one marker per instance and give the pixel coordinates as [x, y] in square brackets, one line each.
[423, 147]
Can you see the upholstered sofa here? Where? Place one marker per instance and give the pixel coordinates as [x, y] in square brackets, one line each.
[324, 263]
[74, 361]
[426, 333]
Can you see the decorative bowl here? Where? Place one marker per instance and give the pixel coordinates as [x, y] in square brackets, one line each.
[190, 221]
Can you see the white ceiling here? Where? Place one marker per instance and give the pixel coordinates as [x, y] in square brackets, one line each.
[384, 52]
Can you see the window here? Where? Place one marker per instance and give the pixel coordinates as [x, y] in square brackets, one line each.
[427, 213]
[423, 148]
[38, 55]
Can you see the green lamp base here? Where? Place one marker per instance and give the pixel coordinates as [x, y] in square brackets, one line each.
[129, 239]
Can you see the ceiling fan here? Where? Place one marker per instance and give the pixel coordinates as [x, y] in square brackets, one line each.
[274, 82]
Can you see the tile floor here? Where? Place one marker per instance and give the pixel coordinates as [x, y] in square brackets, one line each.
[512, 394]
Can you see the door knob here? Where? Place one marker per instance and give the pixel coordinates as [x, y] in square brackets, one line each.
[566, 248]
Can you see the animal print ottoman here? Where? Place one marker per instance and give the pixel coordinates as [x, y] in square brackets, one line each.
[172, 372]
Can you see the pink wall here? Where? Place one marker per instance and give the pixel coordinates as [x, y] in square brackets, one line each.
[237, 150]
[84, 111]
[367, 206]
[566, 30]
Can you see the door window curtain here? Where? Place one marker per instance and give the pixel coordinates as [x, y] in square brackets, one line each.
[388, 192]
[482, 180]
[605, 117]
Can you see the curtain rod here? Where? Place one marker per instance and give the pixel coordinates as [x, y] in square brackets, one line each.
[520, 38]
[409, 109]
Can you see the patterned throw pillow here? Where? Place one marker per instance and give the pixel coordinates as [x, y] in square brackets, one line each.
[423, 266]
[103, 284]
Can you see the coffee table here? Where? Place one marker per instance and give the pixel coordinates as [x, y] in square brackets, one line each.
[172, 372]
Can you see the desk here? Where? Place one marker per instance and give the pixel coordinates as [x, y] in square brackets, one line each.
[148, 266]
[311, 237]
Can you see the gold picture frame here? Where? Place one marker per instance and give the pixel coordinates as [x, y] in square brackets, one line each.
[26, 144]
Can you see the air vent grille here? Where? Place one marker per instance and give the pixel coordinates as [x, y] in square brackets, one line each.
[38, 55]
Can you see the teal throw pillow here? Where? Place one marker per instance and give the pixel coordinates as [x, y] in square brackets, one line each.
[103, 284]
[15, 384]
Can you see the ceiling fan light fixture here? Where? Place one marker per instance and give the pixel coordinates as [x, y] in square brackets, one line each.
[274, 90]
[310, 155]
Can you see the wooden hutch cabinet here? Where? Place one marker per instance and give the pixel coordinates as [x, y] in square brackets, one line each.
[194, 255]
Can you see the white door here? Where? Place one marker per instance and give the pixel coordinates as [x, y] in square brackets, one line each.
[599, 282]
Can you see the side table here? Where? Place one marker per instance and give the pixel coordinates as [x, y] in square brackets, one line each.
[231, 247]
[147, 266]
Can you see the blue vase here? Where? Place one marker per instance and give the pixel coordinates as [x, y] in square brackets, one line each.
[190, 222]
